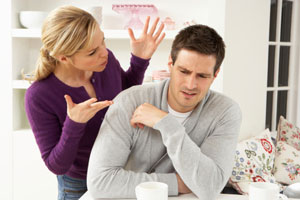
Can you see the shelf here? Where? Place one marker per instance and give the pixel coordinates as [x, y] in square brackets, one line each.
[109, 34]
[22, 131]
[20, 84]
[26, 33]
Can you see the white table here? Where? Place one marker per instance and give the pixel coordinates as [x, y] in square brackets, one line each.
[86, 196]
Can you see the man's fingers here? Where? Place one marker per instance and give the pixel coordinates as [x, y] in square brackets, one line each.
[141, 126]
[132, 123]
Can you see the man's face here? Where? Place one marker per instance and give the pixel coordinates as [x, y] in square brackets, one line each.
[191, 76]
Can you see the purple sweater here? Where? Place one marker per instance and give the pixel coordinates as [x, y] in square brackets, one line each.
[65, 145]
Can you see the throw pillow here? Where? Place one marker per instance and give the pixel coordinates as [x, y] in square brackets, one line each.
[289, 133]
[287, 164]
[254, 160]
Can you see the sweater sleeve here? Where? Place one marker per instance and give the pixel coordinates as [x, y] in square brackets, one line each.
[135, 73]
[107, 176]
[58, 145]
[206, 169]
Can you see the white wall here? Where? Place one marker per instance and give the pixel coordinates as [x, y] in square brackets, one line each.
[5, 104]
[245, 71]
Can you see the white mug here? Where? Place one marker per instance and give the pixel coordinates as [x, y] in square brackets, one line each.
[265, 191]
[151, 191]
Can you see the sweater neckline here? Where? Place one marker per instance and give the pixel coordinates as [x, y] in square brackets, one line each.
[64, 85]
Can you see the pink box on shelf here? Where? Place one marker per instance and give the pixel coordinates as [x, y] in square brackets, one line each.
[133, 13]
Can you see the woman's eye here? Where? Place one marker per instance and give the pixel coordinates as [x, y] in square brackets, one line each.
[92, 53]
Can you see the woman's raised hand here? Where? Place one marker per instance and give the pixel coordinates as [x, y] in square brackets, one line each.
[146, 44]
[84, 111]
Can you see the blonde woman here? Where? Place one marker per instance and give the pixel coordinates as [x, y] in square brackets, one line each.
[75, 80]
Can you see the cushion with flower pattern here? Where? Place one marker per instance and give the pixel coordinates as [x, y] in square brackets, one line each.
[287, 163]
[289, 133]
[254, 160]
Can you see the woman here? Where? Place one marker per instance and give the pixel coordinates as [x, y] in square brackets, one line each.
[75, 79]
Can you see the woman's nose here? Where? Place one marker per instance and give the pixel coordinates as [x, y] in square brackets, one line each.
[104, 52]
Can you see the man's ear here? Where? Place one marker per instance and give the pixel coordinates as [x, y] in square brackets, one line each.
[170, 63]
[217, 72]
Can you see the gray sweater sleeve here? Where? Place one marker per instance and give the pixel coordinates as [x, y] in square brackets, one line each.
[107, 176]
[205, 169]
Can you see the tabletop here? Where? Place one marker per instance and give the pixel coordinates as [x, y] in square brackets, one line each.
[86, 196]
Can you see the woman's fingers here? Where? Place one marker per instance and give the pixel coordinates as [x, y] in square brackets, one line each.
[70, 103]
[101, 104]
[146, 25]
[154, 26]
[131, 35]
[160, 29]
[157, 42]
[89, 101]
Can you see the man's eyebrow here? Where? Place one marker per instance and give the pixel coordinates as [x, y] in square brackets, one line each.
[201, 74]
[182, 68]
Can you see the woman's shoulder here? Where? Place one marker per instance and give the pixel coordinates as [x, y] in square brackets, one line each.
[39, 87]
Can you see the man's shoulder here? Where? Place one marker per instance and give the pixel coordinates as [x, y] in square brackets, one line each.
[142, 92]
[217, 96]
[221, 102]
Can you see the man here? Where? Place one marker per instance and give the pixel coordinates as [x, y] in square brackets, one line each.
[177, 131]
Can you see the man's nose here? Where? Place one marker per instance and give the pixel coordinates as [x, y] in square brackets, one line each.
[191, 82]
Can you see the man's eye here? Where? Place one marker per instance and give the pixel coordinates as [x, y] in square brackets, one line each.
[202, 76]
[184, 72]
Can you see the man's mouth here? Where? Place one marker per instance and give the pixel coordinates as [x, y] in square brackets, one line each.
[188, 94]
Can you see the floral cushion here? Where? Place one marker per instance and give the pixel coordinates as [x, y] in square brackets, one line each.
[288, 133]
[254, 160]
[287, 164]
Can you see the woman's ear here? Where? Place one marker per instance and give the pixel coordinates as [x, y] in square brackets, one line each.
[62, 58]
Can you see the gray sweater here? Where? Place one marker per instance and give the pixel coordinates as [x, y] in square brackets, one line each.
[201, 151]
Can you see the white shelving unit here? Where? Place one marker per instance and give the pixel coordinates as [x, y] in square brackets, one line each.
[21, 33]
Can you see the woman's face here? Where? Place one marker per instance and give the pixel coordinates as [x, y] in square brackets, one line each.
[94, 58]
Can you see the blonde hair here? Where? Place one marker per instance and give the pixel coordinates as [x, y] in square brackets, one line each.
[66, 30]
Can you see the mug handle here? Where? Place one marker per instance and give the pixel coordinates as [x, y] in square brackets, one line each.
[283, 197]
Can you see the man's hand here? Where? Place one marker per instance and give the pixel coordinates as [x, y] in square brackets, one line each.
[146, 44]
[146, 115]
[84, 111]
[182, 188]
